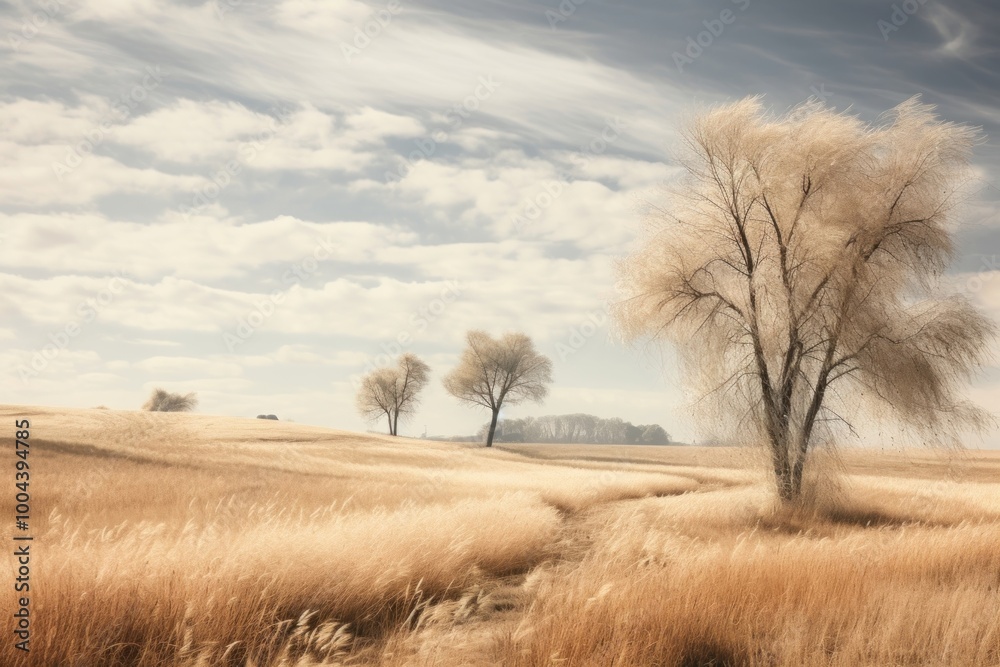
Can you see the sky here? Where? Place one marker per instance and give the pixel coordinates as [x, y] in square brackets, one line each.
[259, 201]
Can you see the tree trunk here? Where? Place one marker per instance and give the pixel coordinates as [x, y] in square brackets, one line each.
[797, 469]
[788, 472]
[388, 417]
[796, 481]
[395, 423]
[802, 441]
[493, 427]
[783, 471]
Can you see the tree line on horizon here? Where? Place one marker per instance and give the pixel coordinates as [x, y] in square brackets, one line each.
[578, 429]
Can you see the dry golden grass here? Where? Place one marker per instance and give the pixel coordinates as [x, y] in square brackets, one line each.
[185, 540]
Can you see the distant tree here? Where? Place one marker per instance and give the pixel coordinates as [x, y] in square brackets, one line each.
[376, 395]
[162, 400]
[654, 435]
[580, 428]
[493, 372]
[509, 430]
[612, 430]
[393, 391]
[795, 268]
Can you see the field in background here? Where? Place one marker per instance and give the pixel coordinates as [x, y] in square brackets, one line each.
[172, 539]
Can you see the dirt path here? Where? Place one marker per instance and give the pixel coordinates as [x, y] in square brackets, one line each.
[466, 630]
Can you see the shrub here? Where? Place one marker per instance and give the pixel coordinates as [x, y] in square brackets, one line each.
[162, 400]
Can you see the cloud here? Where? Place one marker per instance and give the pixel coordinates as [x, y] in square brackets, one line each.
[201, 249]
[188, 366]
[45, 367]
[369, 125]
[189, 131]
[299, 354]
[211, 387]
[154, 342]
[35, 122]
[39, 177]
[321, 17]
[192, 132]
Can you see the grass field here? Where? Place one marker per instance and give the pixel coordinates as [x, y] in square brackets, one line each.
[171, 539]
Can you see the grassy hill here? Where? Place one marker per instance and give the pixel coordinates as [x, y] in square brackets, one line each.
[179, 539]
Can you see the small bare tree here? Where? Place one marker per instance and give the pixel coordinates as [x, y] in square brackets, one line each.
[162, 400]
[796, 271]
[393, 391]
[496, 371]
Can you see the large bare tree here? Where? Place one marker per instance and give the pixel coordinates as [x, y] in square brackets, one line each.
[493, 372]
[797, 271]
[393, 391]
